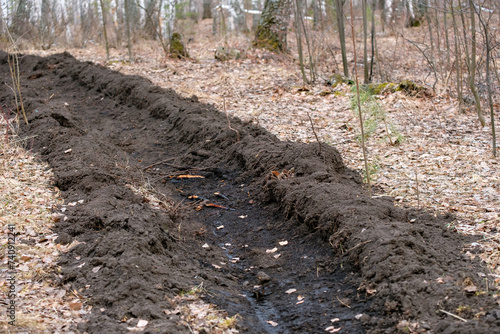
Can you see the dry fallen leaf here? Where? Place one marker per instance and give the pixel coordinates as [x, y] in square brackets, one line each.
[25, 257]
[142, 323]
[332, 329]
[60, 294]
[470, 288]
[75, 306]
[272, 323]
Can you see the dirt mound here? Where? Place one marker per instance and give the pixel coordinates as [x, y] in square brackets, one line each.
[103, 132]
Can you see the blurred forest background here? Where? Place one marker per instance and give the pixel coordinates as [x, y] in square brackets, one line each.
[455, 41]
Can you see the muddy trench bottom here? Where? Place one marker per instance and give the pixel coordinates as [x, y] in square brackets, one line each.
[279, 281]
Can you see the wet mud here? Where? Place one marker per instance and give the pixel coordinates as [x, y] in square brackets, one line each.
[256, 218]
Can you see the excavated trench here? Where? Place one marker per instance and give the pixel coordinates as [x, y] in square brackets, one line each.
[280, 233]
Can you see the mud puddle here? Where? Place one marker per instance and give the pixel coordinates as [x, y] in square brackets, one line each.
[341, 253]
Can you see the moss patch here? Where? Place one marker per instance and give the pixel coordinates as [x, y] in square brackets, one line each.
[407, 86]
[177, 49]
[223, 54]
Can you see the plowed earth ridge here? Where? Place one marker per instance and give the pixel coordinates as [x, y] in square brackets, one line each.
[345, 254]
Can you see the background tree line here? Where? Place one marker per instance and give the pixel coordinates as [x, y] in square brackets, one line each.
[457, 39]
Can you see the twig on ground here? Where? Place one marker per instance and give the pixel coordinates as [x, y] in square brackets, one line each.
[360, 244]
[418, 191]
[229, 122]
[158, 163]
[340, 300]
[453, 315]
[314, 131]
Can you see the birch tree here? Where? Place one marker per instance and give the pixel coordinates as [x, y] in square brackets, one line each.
[273, 25]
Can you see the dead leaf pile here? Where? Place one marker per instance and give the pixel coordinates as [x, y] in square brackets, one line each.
[27, 200]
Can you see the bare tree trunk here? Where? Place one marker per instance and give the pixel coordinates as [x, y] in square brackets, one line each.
[216, 15]
[383, 16]
[457, 60]
[312, 66]
[127, 22]
[472, 81]
[20, 21]
[298, 32]
[489, 48]
[207, 9]
[2, 22]
[172, 11]
[317, 17]
[150, 25]
[255, 17]
[156, 25]
[445, 14]
[236, 17]
[365, 39]
[470, 59]
[429, 26]
[273, 25]
[339, 7]
[438, 39]
[104, 12]
[373, 39]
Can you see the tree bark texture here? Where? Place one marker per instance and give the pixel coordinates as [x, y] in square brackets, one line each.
[273, 25]
[207, 9]
[339, 7]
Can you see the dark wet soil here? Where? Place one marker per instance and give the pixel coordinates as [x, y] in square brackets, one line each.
[346, 254]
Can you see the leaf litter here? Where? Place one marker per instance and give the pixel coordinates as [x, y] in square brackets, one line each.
[28, 200]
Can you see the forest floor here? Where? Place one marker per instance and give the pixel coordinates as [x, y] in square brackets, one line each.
[446, 151]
